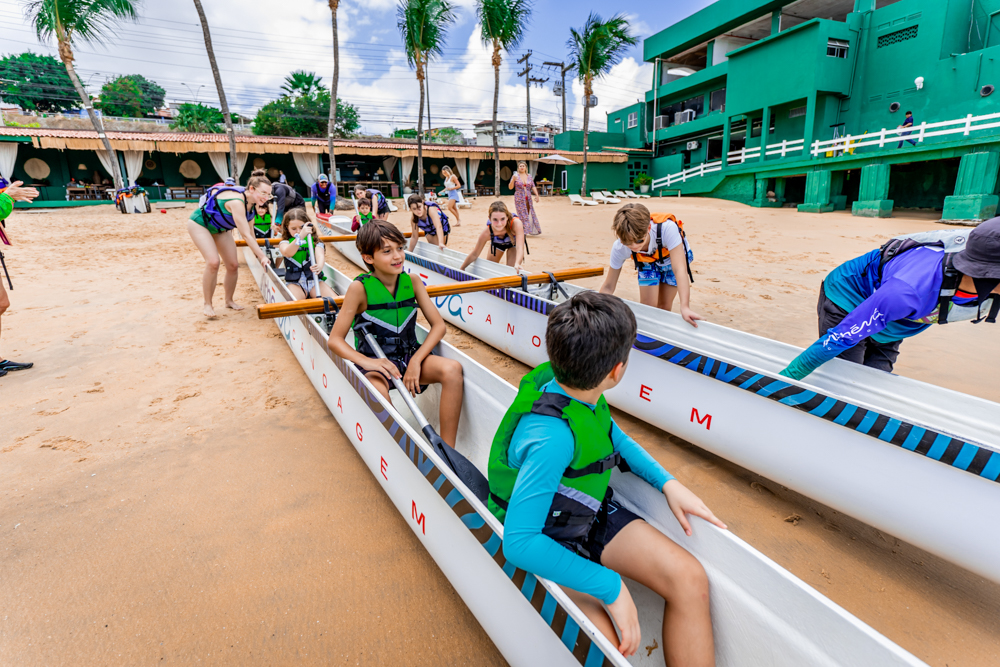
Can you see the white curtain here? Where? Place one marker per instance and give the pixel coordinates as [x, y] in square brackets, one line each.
[462, 174]
[406, 166]
[241, 162]
[8, 155]
[533, 167]
[220, 163]
[474, 170]
[308, 166]
[133, 165]
[102, 155]
[388, 164]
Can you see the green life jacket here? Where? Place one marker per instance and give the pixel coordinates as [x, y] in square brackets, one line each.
[298, 265]
[6, 205]
[584, 484]
[262, 225]
[391, 318]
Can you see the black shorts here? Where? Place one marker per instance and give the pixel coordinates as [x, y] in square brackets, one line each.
[402, 365]
[605, 529]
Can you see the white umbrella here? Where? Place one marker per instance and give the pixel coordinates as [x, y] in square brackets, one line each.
[555, 159]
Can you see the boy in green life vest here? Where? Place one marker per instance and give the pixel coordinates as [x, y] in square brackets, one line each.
[364, 215]
[386, 300]
[263, 226]
[549, 468]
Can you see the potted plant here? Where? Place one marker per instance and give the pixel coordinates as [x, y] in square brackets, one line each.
[643, 180]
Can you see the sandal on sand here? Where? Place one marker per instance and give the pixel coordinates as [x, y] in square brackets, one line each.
[9, 365]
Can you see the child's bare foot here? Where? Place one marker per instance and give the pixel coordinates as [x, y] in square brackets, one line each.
[234, 305]
[209, 311]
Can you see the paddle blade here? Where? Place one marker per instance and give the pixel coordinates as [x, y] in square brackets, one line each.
[461, 466]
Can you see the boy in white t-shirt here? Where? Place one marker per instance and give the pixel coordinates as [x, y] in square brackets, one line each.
[661, 254]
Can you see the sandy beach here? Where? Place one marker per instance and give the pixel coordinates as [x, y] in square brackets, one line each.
[172, 490]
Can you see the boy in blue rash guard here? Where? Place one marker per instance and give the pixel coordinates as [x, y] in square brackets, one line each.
[869, 304]
[549, 467]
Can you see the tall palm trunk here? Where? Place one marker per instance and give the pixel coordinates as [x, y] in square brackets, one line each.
[94, 118]
[334, 4]
[587, 92]
[218, 86]
[420, 129]
[496, 98]
[66, 55]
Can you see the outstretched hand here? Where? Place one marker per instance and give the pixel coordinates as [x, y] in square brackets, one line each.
[682, 502]
[690, 316]
[18, 193]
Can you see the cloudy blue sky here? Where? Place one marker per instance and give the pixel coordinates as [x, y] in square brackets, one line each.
[257, 43]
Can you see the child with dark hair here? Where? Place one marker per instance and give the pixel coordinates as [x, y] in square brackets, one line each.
[380, 205]
[549, 468]
[427, 217]
[384, 301]
[303, 277]
[364, 215]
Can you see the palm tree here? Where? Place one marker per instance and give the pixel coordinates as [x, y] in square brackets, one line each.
[302, 84]
[218, 85]
[502, 24]
[334, 5]
[422, 24]
[89, 20]
[595, 50]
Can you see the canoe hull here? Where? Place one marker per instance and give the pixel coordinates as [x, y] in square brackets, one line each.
[836, 460]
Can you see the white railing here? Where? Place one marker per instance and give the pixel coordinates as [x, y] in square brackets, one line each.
[965, 126]
[735, 157]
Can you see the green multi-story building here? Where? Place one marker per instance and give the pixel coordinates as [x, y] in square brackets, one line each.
[771, 102]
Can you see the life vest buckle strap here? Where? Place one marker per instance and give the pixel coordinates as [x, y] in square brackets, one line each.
[600, 467]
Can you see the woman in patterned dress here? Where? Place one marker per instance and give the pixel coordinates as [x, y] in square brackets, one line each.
[523, 186]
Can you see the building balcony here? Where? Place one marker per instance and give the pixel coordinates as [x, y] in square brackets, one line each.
[678, 88]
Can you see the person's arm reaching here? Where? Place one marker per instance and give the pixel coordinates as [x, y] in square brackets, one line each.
[547, 447]
[484, 236]
[894, 300]
[679, 263]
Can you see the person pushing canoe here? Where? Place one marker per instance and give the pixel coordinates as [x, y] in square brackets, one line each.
[549, 468]
[225, 208]
[284, 198]
[427, 217]
[384, 301]
[870, 304]
[304, 257]
[662, 255]
[505, 234]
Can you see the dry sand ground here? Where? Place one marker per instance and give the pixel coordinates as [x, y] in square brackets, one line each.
[173, 490]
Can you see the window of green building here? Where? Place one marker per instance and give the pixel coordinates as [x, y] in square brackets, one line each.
[633, 119]
[717, 100]
[837, 48]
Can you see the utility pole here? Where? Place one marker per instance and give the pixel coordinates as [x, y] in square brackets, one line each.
[528, 80]
[562, 72]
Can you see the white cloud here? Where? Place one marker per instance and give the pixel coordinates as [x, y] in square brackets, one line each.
[623, 86]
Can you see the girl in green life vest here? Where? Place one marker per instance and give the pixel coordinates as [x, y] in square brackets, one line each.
[385, 300]
[302, 276]
[263, 227]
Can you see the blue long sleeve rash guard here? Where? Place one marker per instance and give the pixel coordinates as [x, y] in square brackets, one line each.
[902, 305]
[541, 449]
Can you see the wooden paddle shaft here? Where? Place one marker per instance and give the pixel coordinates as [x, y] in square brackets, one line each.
[303, 306]
[324, 239]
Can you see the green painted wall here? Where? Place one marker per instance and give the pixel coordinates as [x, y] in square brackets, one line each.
[634, 137]
[573, 140]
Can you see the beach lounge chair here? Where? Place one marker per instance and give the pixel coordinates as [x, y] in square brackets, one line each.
[599, 197]
[631, 193]
[392, 207]
[577, 199]
[620, 194]
[610, 197]
[462, 201]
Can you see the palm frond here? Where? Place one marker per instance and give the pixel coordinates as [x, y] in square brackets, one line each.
[92, 21]
[599, 45]
[503, 21]
[423, 25]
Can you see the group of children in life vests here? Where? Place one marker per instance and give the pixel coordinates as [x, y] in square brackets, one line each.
[551, 459]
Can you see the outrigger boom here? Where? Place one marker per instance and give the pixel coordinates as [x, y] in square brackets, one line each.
[306, 306]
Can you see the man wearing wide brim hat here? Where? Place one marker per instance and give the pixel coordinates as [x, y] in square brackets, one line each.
[868, 305]
[324, 197]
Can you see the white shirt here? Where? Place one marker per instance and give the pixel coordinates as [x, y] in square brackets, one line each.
[671, 239]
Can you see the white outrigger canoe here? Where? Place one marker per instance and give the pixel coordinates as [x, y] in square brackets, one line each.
[763, 615]
[914, 460]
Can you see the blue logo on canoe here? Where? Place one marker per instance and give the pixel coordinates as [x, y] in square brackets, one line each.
[453, 303]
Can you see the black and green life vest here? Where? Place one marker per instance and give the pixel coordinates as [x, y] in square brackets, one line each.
[391, 318]
[584, 484]
[298, 265]
[262, 225]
